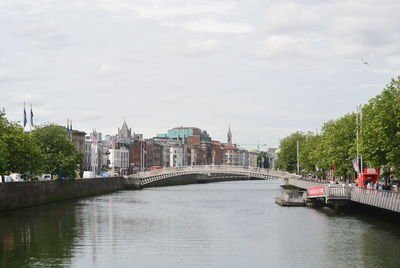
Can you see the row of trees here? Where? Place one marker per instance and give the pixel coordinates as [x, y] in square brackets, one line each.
[378, 125]
[46, 150]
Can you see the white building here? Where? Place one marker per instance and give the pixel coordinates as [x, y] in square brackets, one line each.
[94, 156]
[176, 157]
[119, 160]
[244, 158]
[253, 158]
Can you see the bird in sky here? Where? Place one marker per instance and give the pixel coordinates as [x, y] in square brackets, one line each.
[364, 61]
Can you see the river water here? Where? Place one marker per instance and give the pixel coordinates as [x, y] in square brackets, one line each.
[228, 224]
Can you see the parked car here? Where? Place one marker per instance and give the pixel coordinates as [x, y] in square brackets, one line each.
[16, 177]
[6, 178]
[46, 177]
[88, 174]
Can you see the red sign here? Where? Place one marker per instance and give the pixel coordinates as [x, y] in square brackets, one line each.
[315, 191]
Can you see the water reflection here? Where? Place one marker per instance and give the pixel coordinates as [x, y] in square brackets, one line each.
[37, 237]
[232, 224]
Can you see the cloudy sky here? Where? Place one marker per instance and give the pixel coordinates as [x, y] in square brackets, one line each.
[267, 68]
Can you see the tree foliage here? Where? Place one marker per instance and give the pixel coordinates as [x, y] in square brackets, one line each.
[46, 150]
[335, 146]
[59, 154]
[309, 158]
[380, 134]
[287, 154]
[339, 141]
[3, 151]
[18, 152]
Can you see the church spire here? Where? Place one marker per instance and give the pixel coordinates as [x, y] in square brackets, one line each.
[229, 135]
[124, 132]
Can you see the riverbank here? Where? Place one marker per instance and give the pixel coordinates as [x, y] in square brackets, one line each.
[18, 195]
[229, 224]
[15, 195]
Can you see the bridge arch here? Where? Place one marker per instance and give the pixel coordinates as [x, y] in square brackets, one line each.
[210, 171]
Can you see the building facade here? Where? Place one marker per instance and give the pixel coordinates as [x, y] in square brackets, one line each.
[119, 161]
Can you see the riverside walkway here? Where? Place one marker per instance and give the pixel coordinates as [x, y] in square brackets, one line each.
[377, 198]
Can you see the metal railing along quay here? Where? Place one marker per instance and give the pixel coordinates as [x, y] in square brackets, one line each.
[378, 198]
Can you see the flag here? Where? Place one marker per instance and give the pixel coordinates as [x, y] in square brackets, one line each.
[24, 116]
[31, 116]
[67, 127]
[355, 165]
[70, 125]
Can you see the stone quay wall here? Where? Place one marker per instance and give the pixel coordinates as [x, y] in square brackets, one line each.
[14, 195]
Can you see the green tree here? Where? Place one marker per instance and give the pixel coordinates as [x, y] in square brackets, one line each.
[338, 144]
[3, 153]
[24, 156]
[59, 154]
[308, 155]
[319, 153]
[18, 152]
[380, 134]
[287, 154]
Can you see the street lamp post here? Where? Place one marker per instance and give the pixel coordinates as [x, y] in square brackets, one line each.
[297, 152]
[358, 132]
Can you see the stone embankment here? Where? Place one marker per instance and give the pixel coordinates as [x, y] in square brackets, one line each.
[15, 195]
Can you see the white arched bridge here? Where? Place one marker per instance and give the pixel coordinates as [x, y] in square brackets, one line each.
[210, 171]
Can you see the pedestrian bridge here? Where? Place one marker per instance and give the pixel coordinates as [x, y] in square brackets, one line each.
[211, 171]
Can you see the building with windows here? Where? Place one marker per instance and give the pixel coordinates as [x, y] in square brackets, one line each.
[78, 139]
[119, 160]
[230, 152]
[189, 135]
[97, 153]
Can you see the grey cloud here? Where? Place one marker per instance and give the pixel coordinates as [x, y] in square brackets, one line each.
[348, 29]
[266, 67]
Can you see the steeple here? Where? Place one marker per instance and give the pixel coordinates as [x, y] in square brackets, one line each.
[124, 132]
[229, 135]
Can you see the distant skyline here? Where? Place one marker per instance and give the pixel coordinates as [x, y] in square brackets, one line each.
[267, 68]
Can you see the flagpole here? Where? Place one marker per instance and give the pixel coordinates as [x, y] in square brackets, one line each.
[25, 119]
[357, 157]
[31, 123]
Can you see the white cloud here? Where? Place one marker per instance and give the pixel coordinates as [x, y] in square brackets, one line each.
[162, 9]
[344, 29]
[273, 64]
[107, 69]
[18, 98]
[212, 26]
[289, 47]
[201, 47]
[347, 50]
[91, 114]
[290, 17]
[5, 74]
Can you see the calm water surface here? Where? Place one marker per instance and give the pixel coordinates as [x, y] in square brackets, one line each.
[230, 224]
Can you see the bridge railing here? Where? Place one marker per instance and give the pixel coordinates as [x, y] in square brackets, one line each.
[338, 191]
[211, 168]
